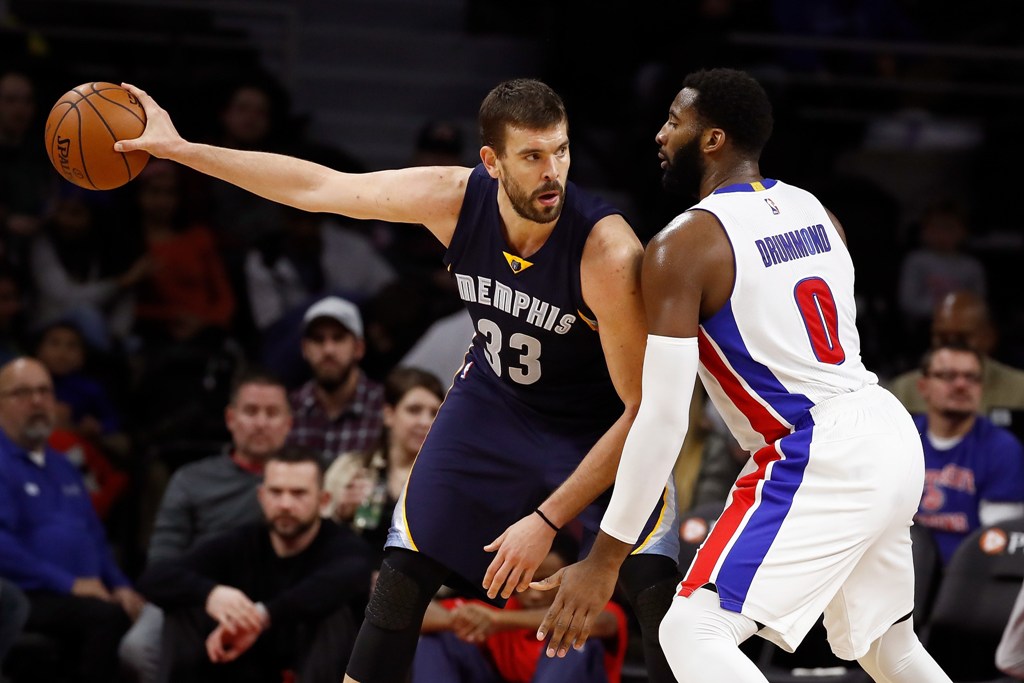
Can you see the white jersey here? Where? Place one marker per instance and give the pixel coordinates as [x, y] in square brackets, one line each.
[787, 338]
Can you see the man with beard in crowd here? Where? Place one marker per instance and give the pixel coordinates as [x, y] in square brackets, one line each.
[269, 600]
[210, 496]
[52, 543]
[340, 409]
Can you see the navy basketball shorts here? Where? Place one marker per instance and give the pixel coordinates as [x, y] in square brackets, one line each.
[487, 462]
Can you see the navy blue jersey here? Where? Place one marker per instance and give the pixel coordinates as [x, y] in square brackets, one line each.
[533, 329]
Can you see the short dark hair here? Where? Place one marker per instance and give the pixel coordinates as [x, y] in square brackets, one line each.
[296, 455]
[518, 103]
[254, 375]
[735, 102]
[959, 347]
[405, 378]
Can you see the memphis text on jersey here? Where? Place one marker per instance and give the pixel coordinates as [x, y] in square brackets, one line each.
[490, 292]
[796, 244]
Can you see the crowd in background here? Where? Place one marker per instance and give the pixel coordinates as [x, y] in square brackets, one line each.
[149, 306]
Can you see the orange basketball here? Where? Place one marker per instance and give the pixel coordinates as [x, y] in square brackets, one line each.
[81, 131]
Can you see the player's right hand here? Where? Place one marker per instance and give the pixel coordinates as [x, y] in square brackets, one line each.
[232, 609]
[160, 136]
[520, 550]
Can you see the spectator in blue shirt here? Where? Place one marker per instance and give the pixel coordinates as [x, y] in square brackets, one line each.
[974, 470]
[52, 543]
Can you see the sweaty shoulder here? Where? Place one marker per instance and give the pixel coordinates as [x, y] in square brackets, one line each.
[694, 238]
[611, 243]
[610, 265]
[692, 253]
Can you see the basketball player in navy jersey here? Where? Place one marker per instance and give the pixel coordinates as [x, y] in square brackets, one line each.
[754, 284]
[533, 425]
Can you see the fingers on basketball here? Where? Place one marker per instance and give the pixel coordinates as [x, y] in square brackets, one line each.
[81, 130]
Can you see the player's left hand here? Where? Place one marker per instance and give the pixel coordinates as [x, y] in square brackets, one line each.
[520, 550]
[584, 590]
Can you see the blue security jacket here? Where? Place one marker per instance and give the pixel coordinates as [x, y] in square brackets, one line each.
[49, 532]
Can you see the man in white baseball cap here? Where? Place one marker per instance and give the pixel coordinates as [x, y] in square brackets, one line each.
[335, 308]
[340, 409]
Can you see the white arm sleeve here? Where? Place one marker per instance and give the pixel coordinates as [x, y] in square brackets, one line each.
[994, 512]
[653, 443]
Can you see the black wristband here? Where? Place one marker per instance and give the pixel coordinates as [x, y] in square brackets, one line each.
[546, 520]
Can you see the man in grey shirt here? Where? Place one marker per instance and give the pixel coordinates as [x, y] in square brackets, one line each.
[212, 495]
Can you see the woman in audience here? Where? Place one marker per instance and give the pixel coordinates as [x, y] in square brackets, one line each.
[365, 486]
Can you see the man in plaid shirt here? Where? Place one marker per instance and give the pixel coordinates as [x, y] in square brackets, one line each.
[340, 408]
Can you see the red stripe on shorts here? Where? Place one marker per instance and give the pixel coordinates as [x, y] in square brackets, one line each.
[763, 422]
[725, 528]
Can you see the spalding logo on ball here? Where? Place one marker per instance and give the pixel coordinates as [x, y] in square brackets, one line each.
[81, 131]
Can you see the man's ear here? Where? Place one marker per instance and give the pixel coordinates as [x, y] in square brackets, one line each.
[714, 139]
[489, 157]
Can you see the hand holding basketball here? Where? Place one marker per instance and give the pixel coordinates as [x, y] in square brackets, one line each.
[160, 136]
[81, 131]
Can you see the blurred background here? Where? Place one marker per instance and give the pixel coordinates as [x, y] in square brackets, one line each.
[903, 116]
[884, 107]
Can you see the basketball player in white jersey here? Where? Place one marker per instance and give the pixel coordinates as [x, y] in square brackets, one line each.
[754, 285]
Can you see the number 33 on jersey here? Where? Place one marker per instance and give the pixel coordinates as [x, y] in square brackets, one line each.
[535, 336]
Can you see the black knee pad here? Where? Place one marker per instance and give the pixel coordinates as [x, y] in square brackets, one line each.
[651, 604]
[387, 640]
[405, 585]
[650, 582]
[396, 600]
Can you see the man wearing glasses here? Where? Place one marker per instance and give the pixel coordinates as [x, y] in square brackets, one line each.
[974, 470]
[52, 543]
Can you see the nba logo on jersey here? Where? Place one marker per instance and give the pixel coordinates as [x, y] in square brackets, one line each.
[515, 266]
[771, 205]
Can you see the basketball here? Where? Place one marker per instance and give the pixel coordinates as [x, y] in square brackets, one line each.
[81, 131]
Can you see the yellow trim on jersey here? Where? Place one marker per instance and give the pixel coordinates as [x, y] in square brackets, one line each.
[757, 186]
[591, 323]
[405, 487]
[657, 525]
[517, 264]
[405, 520]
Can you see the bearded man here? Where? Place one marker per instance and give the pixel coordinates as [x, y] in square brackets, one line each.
[266, 600]
[52, 543]
[339, 409]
